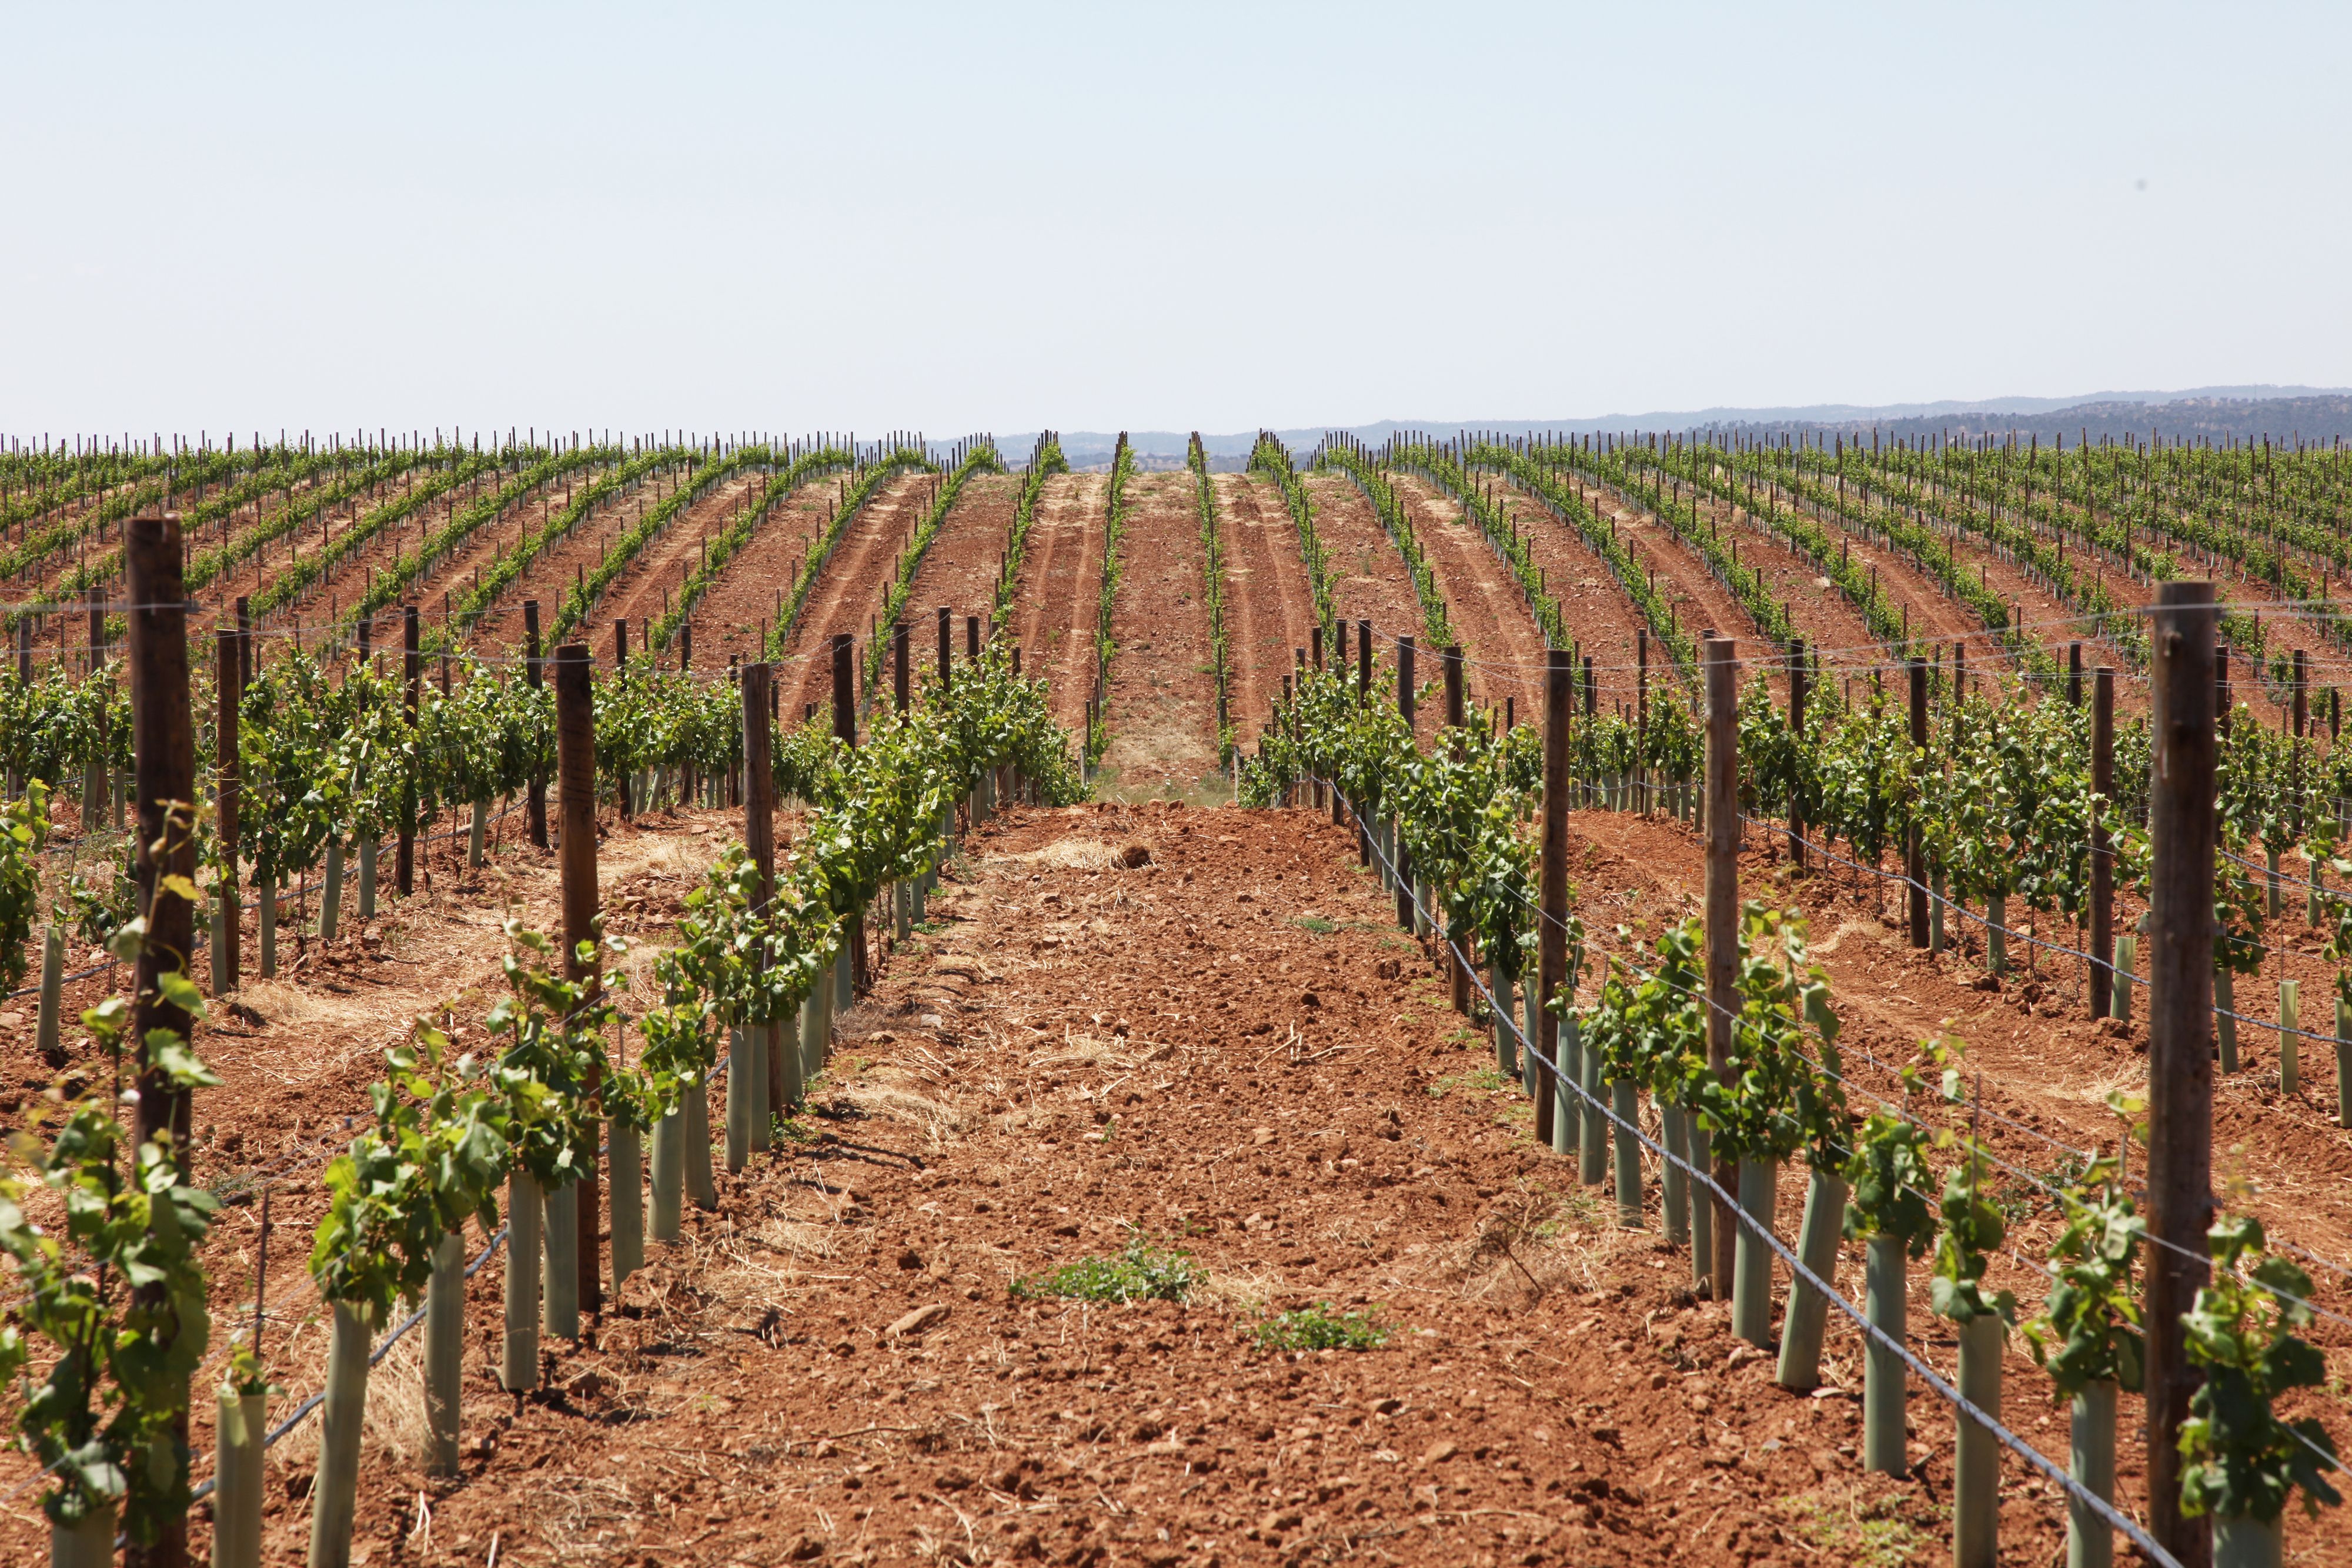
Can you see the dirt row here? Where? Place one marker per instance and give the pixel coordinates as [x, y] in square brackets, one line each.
[848, 592]
[1370, 583]
[1194, 1037]
[959, 571]
[1270, 603]
[1163, 704]
[1056, 597]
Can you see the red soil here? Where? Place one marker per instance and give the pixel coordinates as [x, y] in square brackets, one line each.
[1056, 597]
[1372, 583]
[741, 603]
[1162, 705]
[1270, 609]
[849, 591]
[959, 571]
[1502, 646]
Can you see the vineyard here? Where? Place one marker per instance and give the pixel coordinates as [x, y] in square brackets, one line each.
[1488, 999]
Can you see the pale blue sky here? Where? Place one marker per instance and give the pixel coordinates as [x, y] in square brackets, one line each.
[1198, 216]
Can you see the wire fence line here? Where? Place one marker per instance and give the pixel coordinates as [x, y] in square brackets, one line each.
[1725, 1204]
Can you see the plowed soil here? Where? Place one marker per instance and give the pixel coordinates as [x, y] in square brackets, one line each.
[959, 571]
[1057, 595]
[1825, 617]
[1163, 698]
[1271, 608]
[561, 563]
[731, 616]
[848, 592]
[1225, 1052]
[1698, 601]
[1372, 583]
[1601, 621]
[1502, 646]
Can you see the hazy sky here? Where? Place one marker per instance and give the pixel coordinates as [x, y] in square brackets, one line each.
[956, 217]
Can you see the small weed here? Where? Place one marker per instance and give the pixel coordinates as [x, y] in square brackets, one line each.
[1480, 1080]
[1314, 923]
[1141, 1273]
[929, 928]
[1864, 1536]
[1320, 1328]
[787, 1129]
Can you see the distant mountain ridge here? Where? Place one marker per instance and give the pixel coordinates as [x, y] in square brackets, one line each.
[2283, 414]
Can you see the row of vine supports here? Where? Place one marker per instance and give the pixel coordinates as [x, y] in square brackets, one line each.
[1732, 1252]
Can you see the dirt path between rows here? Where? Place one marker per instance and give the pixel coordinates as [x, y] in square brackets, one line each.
[1162, 707]
[959, 571]
[1823, 617]
[1502, 646]
[1055, 598]
[741, 603]
[848, 592]
[1225, 1056]
[1370, 583]
[1271, 611]
[1698, 600]
[646, 590]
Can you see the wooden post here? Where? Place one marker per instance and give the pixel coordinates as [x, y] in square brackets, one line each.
[1456, 968]
[1405, 679]
[1915, 859]
[163, 745]
[535, 792]
[621, 673]
[1642, 717]
[2295, 761]
[1364, 660]
[947, 620]
[2073, 675]
[228, 785]
[1551, 937]
[971, 638]
[845, 729]
[903, 675]
[244, 643]
[1797, 728]
[575, 775]
[1403, 866]
[845, 689]
[760, 838]
[413, 684]
[2179, 958]
[2103, 854]
[1722, 916]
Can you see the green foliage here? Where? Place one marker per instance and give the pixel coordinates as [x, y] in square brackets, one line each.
[1972, 1231]
[2243, 1460]
[1214, 588]
[1780, 1098]
[1141, 1273]
[23, 829]
[1888, 1180]
[436, 1153]
[2093, 1314]
[118, 1300]
[1320, 1328]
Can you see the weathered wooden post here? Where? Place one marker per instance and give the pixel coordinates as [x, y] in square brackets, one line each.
[1797, 728]
[1722, 672]
[1915, 859]
[575, 772]
[2180, 952]
[1552, 893]
[770, 1092]
[226, 954]
[412, 682]
[2103, 854]
[163, 745]
[534, 792]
